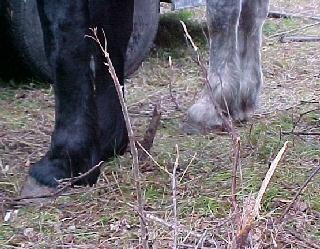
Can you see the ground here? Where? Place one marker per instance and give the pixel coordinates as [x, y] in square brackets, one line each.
[103, 217]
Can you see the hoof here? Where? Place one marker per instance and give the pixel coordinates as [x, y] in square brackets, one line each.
[191, 129]
[196, 128]
[36, 192]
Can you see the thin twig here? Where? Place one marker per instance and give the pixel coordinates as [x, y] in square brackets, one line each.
[201, 240]
[299, 237]
[133, 148]
[303, 186]
[173, 99]
[294, 30]
[276, 14]
[64, 185]
[151, 157]
[285, 39]
[234, 175]
[180, 228]
[174, 199]
[185, 171]
[304, 133]
[226, 121]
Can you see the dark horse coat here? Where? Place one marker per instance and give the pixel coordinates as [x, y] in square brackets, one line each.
[89, 124]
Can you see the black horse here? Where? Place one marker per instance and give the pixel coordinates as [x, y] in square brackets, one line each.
[89, 124]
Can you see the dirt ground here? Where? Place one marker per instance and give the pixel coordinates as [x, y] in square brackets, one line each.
[104, 216]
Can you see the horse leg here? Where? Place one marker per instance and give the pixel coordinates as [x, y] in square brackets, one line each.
[224, 70]
[253, 15]
[75, 141]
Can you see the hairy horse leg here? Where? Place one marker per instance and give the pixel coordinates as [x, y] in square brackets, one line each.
[224, 70]
[75, 141]
[253, 15]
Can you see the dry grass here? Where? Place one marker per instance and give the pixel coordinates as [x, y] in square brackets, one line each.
[102, 218]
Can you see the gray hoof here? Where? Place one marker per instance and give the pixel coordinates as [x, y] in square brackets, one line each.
[191, 129]
[36, 192]
[196, 128]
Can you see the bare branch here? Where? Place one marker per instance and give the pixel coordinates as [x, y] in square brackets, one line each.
[276, 14]
[133, 148]
[285, 39]
[304, 185]
[301, 133]
[268, 176]
[226, 121]
[174, 199]
[294, 30]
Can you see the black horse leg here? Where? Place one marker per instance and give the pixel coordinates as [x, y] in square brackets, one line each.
[75, 143]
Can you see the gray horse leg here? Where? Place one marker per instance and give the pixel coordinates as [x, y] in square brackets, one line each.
[224, 70]
[253, 15]
[234, 75]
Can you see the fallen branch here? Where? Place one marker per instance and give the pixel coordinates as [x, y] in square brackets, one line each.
[294, 30]
[301, 133]
[276, 14]
[285, 39]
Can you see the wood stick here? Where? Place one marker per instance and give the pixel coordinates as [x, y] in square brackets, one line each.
[301, 133]
[285, 39]
[267, 178]
[133, 148]
[147, 141]
[174, 200]
[304, 185]
[227, 121]
[276, 14]
[294, 30]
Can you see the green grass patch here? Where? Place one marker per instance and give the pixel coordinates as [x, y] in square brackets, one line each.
[170, 35]
[273, 26]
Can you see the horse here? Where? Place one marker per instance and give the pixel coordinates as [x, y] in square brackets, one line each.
[89, 123]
